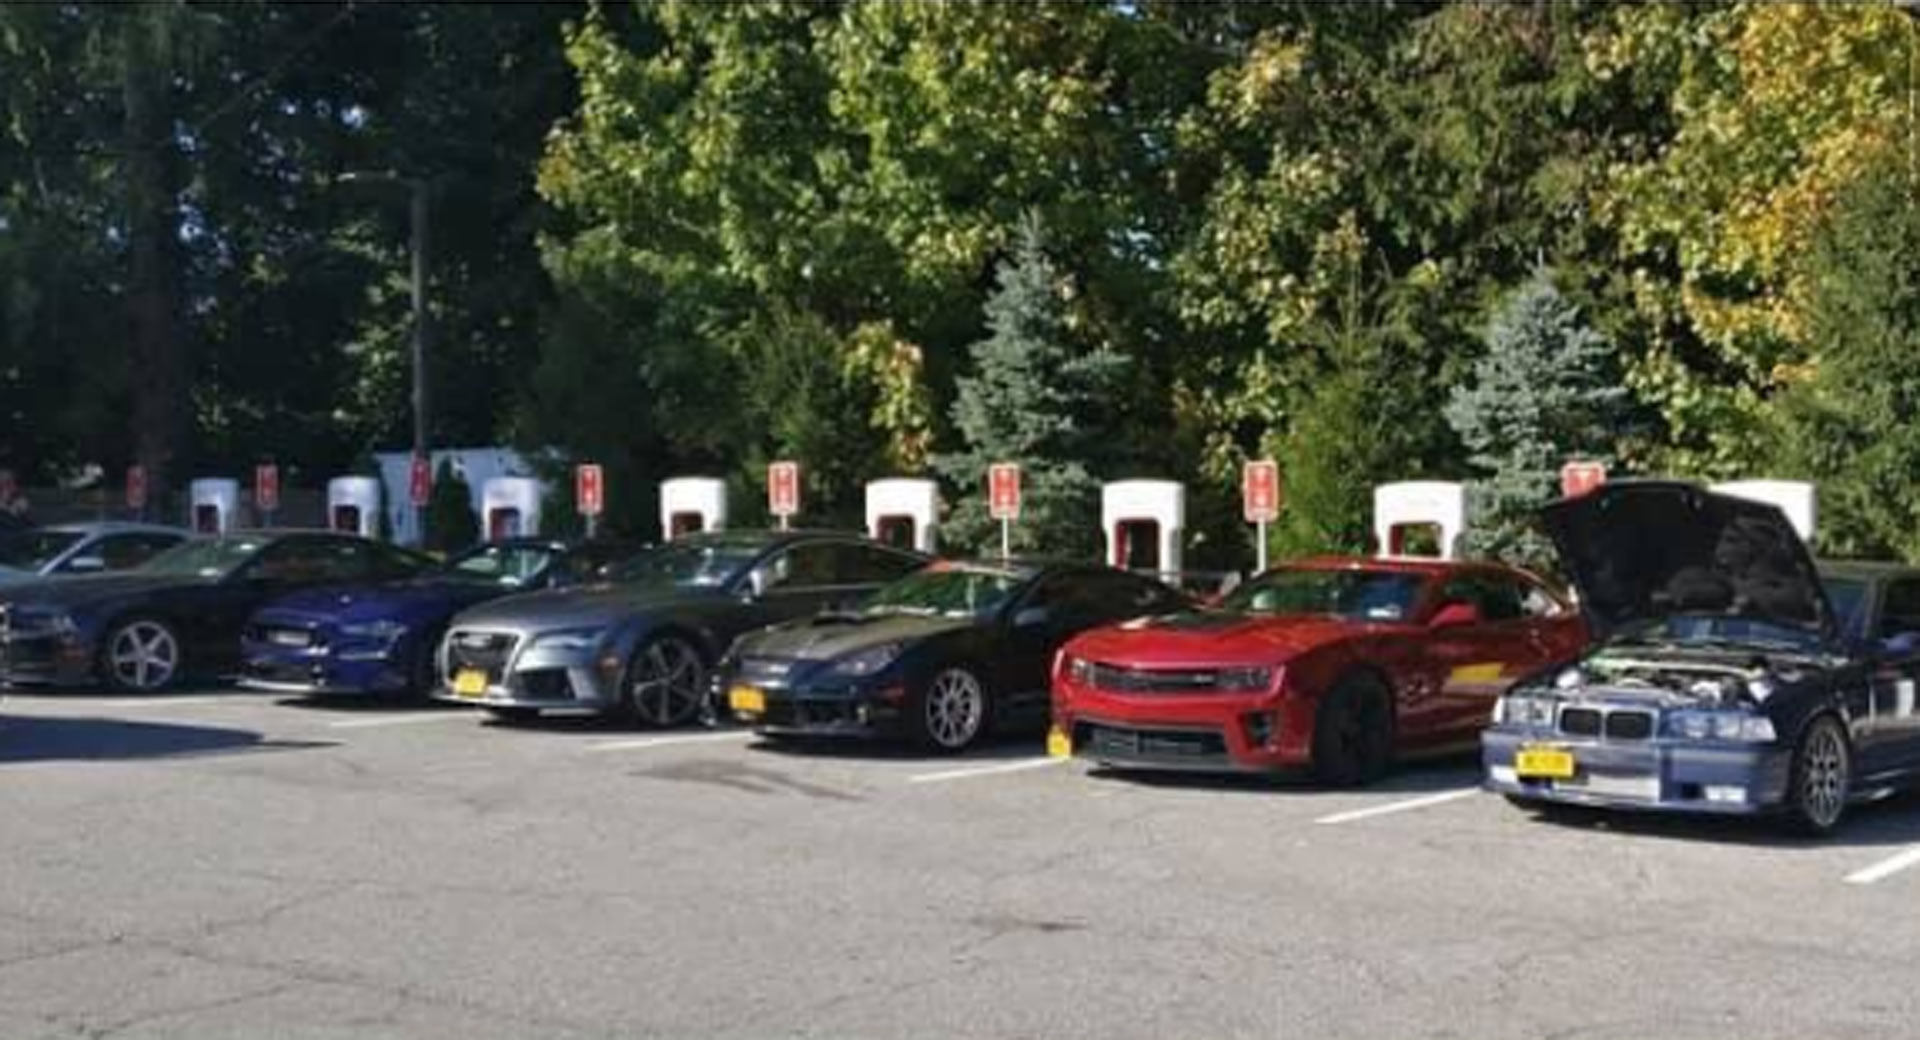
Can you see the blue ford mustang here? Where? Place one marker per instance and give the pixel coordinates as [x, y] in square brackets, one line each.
[381, 639]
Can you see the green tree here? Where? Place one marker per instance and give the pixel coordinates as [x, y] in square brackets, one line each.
[451, 523]
[1547, 389]
[1030, 399]
[1851, 425]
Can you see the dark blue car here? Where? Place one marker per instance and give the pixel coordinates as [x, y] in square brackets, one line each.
[381, 639]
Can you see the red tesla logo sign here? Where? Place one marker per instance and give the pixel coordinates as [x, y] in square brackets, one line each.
[1578, 478]
[783, 488]
[136, 487]
[266, 487]
[587, 487]
[420, 482]
[1003, 491]
[1260, 491]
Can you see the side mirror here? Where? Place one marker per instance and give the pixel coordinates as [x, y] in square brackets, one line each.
[84, 565]
[1455, 615]
[1031, 617]
[756, 585]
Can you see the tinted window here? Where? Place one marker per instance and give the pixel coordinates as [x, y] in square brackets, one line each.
[123, 551]
[868, 565]
[693, 562]
[206, 558]
[1900, 610]
[946, 590]
[809, 565]
[1361, 594]
[506, 566]
[1496, 597]
[314, 560]
[1125, 596]
[32, 550]
[1849, 600]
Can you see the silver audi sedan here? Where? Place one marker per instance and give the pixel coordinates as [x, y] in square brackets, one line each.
[644, 643]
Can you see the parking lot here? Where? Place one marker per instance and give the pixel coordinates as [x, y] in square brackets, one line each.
[218, 863]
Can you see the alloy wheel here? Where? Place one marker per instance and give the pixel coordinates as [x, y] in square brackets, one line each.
[143, 655]
[667, 683]
[1824, 776]
[956, 706]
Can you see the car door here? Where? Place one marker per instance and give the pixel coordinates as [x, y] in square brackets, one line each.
[1889, 737]
[1476, 662]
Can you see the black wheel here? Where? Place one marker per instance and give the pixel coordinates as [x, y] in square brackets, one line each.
[666, 682]
[1353, 733]
[513, 716]
[950, 711]
[1821, 778]
[141, 655]
[423, 675]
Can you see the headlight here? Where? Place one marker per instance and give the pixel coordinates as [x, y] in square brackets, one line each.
[1079, 670]
[867, 662]
[1730, 726]
[1518, 710]
[570, 639]
[376, 631]
[1243, 680]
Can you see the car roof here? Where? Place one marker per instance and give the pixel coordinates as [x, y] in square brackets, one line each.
[115, 527]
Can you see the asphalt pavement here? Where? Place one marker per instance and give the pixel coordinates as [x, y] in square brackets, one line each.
[228, 864]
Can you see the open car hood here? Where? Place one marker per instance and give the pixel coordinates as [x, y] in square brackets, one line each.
[1648, 550]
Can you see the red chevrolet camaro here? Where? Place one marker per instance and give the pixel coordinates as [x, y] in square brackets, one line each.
[1334, 664]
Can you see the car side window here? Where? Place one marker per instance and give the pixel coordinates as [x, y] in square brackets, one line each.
[122, 551]
[1121, 596]
[1497, 599]
[1900, 610]
[869, 565]
[808, 565]
[1536, 601]
[316, 560]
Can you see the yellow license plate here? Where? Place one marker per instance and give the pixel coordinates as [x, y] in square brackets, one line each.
[747, 701]
[1059, 745]
[470, 683]
[1543, 764]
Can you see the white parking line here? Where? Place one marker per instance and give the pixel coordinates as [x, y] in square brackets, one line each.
[644, 743]
[164, 702]
[1397, 807]
[992, 770]
[1886, 868]
[401, 720]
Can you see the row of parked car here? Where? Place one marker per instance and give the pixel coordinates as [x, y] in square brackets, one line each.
[1706, 665]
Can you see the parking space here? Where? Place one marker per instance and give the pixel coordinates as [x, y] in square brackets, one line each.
[226, 864]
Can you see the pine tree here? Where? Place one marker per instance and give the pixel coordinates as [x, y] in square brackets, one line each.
[1030, 399]
[1546, 390]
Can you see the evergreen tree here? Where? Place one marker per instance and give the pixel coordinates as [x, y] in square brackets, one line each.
[1545, 391]
[1030, 399]
[451, 525]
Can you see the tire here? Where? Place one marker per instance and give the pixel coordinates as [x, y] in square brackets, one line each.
[513, 716]
[666, 683]
[1353, 733]
[423, 675]
[951, 711]
[141, 655]
[1821, 778]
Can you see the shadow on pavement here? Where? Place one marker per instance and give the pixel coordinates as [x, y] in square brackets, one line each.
[1408, 779]
[1011, 746]
[1888, 822]
[31, 739]
[364, 704]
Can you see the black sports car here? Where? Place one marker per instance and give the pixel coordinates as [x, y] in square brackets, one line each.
[644, 643]
[1724, 679]
[181, 613]
[941, 657]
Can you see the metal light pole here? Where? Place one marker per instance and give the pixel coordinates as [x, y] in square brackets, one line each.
[418, 214]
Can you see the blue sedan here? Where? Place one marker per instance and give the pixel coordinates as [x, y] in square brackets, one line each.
[381, 639]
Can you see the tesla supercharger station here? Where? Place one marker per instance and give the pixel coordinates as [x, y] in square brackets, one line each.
[1796, 498]
[510, 507]
[689, 505]
[904, 512]
[1144, 522]
[215, 503]
[1402, 509]
[353, 505]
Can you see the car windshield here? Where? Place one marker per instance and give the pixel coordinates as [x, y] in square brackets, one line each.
[1366, 595]
[1849, 599]
[946, 592]
[1717, 630]
[695, 564]
[32, 550]
[205, 558]
[508, 566]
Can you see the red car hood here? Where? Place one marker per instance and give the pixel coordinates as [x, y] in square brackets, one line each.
[1206, 639]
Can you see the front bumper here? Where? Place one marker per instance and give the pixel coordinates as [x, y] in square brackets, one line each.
[521, 674]
[319, 670]
[1212, 732]
[45, 660]
[1658, 774]
[821, 708]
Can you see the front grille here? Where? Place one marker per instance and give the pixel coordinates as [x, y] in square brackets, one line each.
[486, 652]
[283, 635]
[547, 684]
[764, 670]
[1619, 724]
[1143, 680]
[1174, 747]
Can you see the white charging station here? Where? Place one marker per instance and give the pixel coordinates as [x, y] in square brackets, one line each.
[905, 512]
[1400, 509]
[1144, 522]
[510, 507]
[215, 503]
[353, 505]
[1796, 498]
[689, 505]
